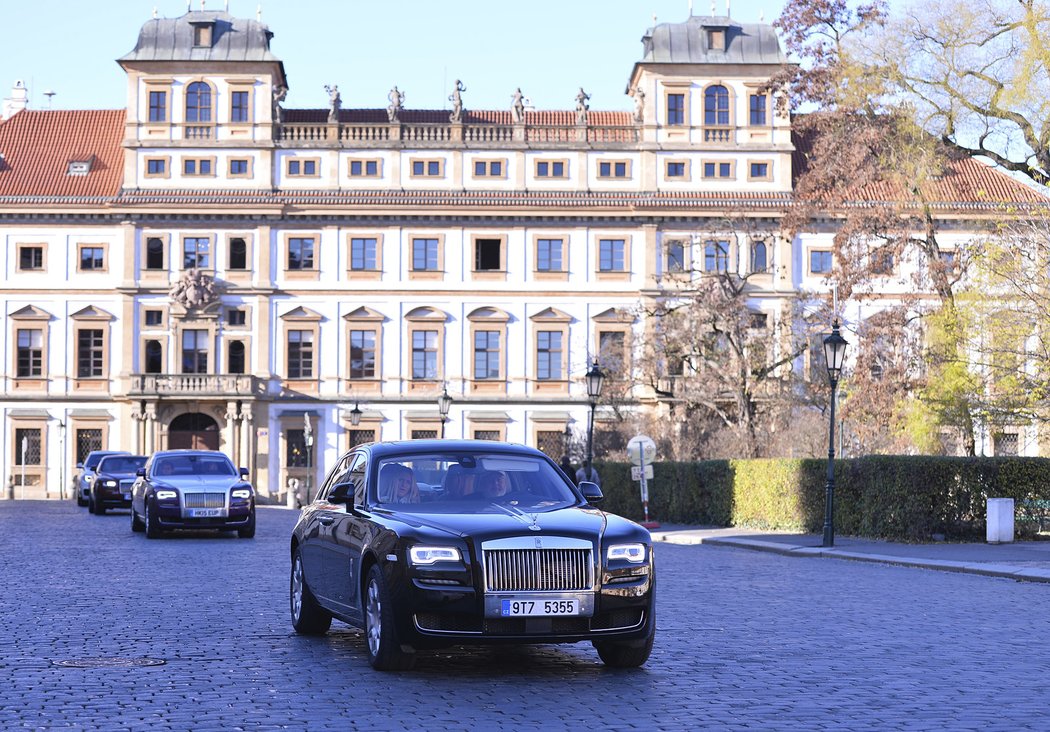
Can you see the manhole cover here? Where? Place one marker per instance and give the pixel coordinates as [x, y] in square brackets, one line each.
[108, 662]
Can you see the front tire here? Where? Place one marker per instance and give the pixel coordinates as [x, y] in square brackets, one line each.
[384, 649]
[308, 618]
[136, 523]
[95, 506]
[248, 531]
[627, 654]
[151, 527]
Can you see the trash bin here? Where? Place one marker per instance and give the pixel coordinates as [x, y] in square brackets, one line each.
[1000, 520]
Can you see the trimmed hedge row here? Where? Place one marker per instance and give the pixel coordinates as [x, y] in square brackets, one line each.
[900, 497]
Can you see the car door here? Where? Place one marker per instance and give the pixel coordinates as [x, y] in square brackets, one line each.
[315, 535]
[348, 532]
[326, 518]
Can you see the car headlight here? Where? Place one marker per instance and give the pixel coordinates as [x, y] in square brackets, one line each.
[166, 495]
[634, 553]
[109, 483]
[89, 478]
[242, 493]
[431, 554]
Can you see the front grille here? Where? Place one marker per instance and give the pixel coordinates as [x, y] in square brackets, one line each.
[204, 500]
[531, 570]
[125, 485]
[537, 626]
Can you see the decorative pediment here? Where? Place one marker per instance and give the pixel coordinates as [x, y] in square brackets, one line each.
[300, 313]
[30, 312]
[427, 313]
[92, 313]
[551, 315]
[195, 290]
[364, 313]
[488, 315]
[614, 315]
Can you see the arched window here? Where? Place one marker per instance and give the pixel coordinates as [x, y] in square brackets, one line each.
[235, 360]
[759, 259]
[716, 105]
[198, 102]
[154, 357]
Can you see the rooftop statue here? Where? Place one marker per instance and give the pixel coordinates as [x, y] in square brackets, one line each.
[334, 102]
[457, 102]
[517, 106]
[582, 98]
[397, 101]
[639, 105]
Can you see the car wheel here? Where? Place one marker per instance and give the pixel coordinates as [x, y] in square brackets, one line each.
[384, 648]
[151, 527]
[95, 506]
[136, 522]
[308, 617]
[81, 501]
[627, 654]
[248, 532]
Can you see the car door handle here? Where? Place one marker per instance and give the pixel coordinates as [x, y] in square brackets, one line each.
[326, 520]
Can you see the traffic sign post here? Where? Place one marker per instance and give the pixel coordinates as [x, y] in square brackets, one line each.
[642, 451]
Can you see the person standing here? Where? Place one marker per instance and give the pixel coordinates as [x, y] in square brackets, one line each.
[587, 472]
[566, 467]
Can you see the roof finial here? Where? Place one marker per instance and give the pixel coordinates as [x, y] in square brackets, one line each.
[202, 6]
[690, 8]
[761, 16]
[727, 9]
[154, 11]
[189, 5]
[654, 18]
[226, 6]
[258, 13]
[712, 7]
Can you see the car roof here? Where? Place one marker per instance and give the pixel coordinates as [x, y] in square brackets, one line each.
[164, 453]
[414, 447]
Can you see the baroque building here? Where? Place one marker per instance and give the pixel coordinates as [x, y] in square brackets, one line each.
[208, 268]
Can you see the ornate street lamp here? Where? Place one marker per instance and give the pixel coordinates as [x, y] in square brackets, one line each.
[834, 355]
[444, 403]
[595, 378]
[355, 415]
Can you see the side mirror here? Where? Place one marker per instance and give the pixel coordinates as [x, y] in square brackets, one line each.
[341, 493]
[244, 473]
[140, 472]
[591, 492]
[80, 466]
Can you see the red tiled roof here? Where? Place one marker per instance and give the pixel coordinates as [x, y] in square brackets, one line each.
[470, 116]
[38, 146]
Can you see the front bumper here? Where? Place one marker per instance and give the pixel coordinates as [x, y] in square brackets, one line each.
[238, 515]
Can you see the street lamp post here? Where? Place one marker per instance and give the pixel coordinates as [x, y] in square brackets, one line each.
[595, 377]
[444, 404]
[834, 355]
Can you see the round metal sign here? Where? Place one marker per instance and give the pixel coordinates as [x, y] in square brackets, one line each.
[641, 450]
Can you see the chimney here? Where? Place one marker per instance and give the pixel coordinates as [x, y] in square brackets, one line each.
[15, 103]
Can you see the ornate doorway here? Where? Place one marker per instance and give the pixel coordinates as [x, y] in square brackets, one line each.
[195, 431]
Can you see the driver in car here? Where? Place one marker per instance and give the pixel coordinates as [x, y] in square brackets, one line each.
[495, 484]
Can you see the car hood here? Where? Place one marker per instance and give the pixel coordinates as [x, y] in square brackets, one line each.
[582, 522]
[109, 475]
[200, 482]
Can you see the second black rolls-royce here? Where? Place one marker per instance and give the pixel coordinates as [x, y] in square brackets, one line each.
[429, 543]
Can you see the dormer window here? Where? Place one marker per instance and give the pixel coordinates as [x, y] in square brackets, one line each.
[79, 167]
[716, 39]
[202, 34]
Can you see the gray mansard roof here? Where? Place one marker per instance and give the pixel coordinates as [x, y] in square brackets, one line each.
[686, 43]
[233, 39]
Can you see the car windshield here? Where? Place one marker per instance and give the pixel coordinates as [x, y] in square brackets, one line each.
[462, 483]
[121, 463]
[205, 465]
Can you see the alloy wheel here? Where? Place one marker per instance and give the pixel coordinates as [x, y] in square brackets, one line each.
[297, 589]
[373, 617]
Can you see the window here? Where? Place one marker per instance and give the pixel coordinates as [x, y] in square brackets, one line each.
[551, 443]
[156, 166]
[302, 168]
[489, 169]
[196, 252]
[202, 34]
[549, 255]
[758, 321]
[238, 254]
[154, 253]
[758, 109]
[154, 357]
[239, 106]
[716, 105]
[364, 168]
[158, 106]
[30, 357]
[362, 354]
[613, 169]
[548, 355]
[882, 262]
[488, 255]
[424, 434]
[30, 258]
[611, 351]
[300, 253]
[89, 353]
[235, 361]
[295, 449]
[1003, 443]
[676, 169]
[300, 354]
[716, 256]
[716, 39]
[759, 171]
[550, 169]
[486, 354]
[675, 255]
[87, 440]
[676, 109]
[363, 253]
[154, 318]
[198, 166]
[759, 257]
[194, 351]
[427, 168]
[239, 167]
[718, 170]
[360, 437]
[820, 261]
[92, 259]
[425, 255]
[27, 446]
[492, 435]
[236, 316]
[198, 102]
[424, 354]
[611, 255]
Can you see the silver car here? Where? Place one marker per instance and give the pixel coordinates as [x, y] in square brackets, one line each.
[86, 476]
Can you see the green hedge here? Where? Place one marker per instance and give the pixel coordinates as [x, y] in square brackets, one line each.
[909, 498]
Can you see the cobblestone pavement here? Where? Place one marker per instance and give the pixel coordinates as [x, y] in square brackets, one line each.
[746, 640]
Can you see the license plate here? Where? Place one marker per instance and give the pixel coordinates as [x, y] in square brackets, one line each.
[542, 608]
[205, 512]
[127, 496]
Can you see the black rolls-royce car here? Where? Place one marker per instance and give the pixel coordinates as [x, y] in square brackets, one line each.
[429, 543]
[114, 476]
[192, 489]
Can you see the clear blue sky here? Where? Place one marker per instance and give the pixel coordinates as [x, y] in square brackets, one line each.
[549, 48]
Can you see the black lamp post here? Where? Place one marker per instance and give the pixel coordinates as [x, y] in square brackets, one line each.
[834, 355]
[444, 403]
[595, 377]
[355, 415]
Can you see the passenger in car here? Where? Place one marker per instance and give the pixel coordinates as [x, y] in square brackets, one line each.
[458, 482]
[397, 484]
[494, 484]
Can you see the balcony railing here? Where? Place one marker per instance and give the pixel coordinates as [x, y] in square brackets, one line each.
[435, 134]
[194, 385]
